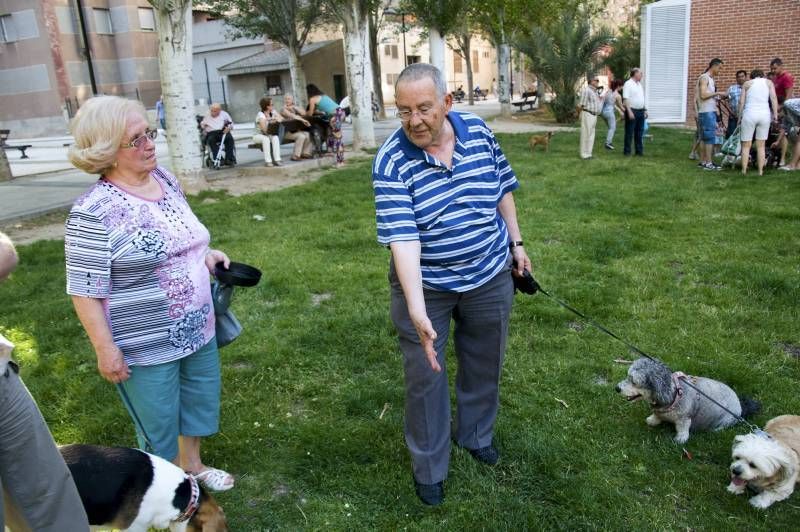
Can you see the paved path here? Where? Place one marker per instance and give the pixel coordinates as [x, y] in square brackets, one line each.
[47, 181]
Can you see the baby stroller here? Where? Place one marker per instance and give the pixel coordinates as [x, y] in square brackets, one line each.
[732, 148]
[772, 155]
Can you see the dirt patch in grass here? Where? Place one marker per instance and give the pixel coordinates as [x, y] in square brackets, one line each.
[793, 350]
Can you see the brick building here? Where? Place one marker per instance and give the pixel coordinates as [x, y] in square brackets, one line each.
[680, 37]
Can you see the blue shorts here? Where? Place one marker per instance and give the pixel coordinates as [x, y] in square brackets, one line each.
[175, 398]
[708, 127]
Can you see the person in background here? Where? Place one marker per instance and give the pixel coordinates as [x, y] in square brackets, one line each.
[783, 82]
[757, 105]
[589, 107]
[215, 124]
[790, 129]
[635, 112]
[270, 144]
[612, 104]
[303, 147]
[706, 100]
[38, 491]
[160, 113]
[734, 91]
[137, 267]
[320, 103]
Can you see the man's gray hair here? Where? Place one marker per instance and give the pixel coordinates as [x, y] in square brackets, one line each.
[418, 71]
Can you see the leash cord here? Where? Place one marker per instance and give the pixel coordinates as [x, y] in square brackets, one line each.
[148, 446]
[593, 323]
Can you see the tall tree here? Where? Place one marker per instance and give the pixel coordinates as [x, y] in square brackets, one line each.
[462, 44]
[174, 25]
[354, 16]
[376, 19]
[624, 52]
[287, 22]
[5, 168]
[440, 17]
[562, 53]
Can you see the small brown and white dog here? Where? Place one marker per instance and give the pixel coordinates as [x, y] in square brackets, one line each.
[543, 140]
[769, 465]
[132, 490]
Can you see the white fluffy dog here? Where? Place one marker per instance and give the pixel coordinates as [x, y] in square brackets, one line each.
[767, 465]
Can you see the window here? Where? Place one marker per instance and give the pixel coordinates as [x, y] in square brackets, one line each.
[476, 65]
[390, 49]
[274, 86]
[458, 67]
[411, 59]
[147, 20]
[665, 46]
[8, 32]
[102, 20]
[486, 54]
[391, 79]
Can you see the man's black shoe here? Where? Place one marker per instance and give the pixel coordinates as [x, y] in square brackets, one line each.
[430, 494]
[487, 455]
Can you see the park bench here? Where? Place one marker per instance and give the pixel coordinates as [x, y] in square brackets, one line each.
[528, 98]
[4, 133]
[481, 94]
[280, 129]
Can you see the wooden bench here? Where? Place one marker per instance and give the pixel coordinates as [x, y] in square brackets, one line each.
[481, 94]
[528, 98]
[4, 133]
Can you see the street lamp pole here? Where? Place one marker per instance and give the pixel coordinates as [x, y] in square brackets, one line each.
[394, 12]
[403, 29]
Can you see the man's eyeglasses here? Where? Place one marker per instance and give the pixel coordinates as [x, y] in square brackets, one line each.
[405, 116]
[140, 141]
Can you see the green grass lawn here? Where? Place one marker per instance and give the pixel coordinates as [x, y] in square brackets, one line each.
[699, 268]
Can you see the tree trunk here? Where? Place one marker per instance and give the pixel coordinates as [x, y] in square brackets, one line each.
[174, 23]
[503, 81]
[298, 76]
[436, 43]
[466, 46]
[359, 73]
[376, 67]
[5, 168]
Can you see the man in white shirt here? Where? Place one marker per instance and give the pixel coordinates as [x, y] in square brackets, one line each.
[215, 124]
[635, 113]
[588, 109]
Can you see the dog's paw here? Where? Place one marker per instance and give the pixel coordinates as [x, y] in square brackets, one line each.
[653, 420]
[762, 501]
[736, 490]
[681, 438]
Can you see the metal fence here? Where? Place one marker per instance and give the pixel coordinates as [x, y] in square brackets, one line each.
[211, 91]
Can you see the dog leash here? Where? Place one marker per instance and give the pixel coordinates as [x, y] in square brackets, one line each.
[529, 285]
[148, 446]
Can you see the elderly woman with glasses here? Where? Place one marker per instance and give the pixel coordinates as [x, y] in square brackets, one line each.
[138, 266]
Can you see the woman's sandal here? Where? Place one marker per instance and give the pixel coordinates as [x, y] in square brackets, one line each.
[214, 479]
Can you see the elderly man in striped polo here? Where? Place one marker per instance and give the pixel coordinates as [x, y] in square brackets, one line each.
[444, 206]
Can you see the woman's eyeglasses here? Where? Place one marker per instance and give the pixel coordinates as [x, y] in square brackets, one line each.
[140, 141]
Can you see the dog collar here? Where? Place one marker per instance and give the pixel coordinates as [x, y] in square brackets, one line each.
[194, 501]
[676, 380]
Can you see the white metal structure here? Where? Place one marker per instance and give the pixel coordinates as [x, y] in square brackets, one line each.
[665, 59]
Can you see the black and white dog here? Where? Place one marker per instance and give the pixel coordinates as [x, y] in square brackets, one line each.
[129, 489]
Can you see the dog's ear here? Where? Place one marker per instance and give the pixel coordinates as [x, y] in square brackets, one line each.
[738, 439]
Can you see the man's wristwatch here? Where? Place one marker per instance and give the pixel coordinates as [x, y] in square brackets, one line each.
[515, 243]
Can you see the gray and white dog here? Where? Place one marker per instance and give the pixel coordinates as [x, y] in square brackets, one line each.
[675, 402]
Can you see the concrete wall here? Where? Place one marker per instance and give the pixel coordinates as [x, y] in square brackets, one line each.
[746, 35]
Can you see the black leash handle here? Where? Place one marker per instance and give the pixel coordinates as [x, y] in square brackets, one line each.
[528, 285]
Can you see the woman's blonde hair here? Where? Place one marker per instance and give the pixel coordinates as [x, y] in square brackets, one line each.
[98, 129]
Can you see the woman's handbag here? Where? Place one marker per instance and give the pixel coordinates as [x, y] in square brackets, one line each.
[228, 327]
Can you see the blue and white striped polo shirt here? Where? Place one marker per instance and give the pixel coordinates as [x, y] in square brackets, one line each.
[453, 213]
